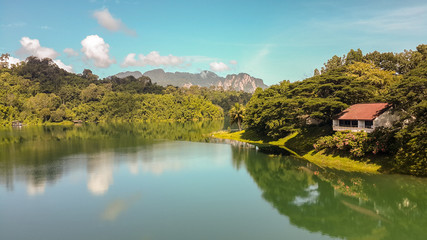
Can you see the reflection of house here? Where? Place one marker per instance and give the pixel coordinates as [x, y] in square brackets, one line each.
[16, 124]
[364, 116]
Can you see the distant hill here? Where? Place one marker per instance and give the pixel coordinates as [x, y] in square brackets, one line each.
[241, 81]
[135, 74]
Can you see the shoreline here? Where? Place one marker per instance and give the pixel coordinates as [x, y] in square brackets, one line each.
[320, 158]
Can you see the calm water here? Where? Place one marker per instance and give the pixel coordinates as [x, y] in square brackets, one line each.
[166, 181]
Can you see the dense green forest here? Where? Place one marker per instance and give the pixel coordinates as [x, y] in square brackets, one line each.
[397, 78]
[38, 92]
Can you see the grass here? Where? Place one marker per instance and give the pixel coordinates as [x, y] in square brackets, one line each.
[250, 136]
[340, 162]
[300, 144]
[303, 142]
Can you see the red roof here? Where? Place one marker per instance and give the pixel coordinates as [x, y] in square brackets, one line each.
[363, 111]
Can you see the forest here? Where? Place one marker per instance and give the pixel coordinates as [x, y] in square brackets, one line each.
[399, 79]
[37, 92]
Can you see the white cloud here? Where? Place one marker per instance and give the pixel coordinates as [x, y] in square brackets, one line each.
[70, 52]
[12, 60]
[258, 60]
[152, 59]
[94, 48]
[106, 20]
[218, 66]
[234, 62]
[409, 20]
[200, 59]
[60, 64]
[33, 47]
[404, 19]
[14, 25]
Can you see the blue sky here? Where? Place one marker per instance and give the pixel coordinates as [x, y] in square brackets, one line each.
[272, 40]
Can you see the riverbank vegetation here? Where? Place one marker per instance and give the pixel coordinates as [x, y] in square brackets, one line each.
[396, 78]
[38, 92]
[296, 144]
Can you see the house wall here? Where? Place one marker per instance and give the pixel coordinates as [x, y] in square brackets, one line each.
[353, 129]
[385, 120]
[335, 122]
[360, 126]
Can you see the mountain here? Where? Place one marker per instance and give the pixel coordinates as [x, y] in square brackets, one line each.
[241, 81]
[136, 74]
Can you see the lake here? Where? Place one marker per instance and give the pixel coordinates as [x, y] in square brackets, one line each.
[171, 181]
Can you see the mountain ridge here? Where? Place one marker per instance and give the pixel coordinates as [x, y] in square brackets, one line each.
[239, 82]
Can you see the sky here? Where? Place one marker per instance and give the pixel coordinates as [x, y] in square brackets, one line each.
[271, 40]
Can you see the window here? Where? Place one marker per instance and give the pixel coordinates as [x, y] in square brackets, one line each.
[369, 124]
[344, 123]
[354, 123]
[348, 123]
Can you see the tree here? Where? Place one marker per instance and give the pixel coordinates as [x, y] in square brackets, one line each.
[354, 56]
[422, 48]
[316, 72]
[237, 114]
[94, 92]
[333, 63]
[4, 58]
[68, 93]
[369, 72]
[89, 75]
[408, 60]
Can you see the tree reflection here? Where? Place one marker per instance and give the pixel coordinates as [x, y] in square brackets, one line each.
[40, 155]
[344, 205]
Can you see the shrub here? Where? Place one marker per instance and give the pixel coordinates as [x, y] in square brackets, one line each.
[354, 142]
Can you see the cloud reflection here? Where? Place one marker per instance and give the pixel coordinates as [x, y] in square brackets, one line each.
[36, 188]
[100, 169]
[118, 206]
[158, 168]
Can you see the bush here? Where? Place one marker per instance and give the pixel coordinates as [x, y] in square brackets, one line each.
[354, 142]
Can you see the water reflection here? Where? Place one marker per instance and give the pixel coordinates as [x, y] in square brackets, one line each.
[331, 203]
[118, 206]
[34, 188]
[343, 205]
[41, 155]
[100, 169]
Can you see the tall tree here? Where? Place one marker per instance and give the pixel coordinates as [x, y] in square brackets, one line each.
[237, 114]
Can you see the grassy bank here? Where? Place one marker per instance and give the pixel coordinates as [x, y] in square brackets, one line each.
[300, 144]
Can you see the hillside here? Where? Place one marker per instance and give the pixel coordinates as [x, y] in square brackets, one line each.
[399, 79]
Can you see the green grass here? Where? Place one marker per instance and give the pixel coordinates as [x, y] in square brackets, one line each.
[250, 136]
[300, 144]
[303, 142]
[340, 162]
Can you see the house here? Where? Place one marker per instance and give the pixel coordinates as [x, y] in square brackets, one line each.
[364, 117]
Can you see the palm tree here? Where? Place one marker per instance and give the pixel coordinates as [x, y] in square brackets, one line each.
[237, 114]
